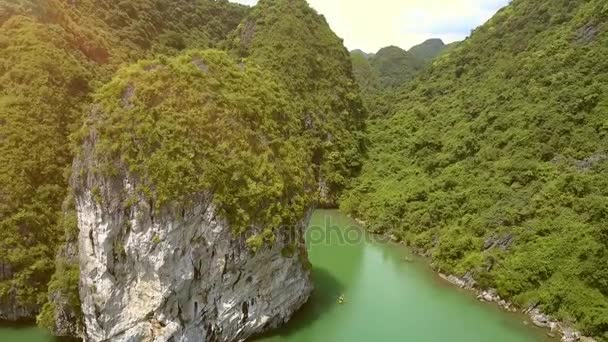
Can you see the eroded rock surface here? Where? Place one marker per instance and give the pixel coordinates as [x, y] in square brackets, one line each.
[178, 273]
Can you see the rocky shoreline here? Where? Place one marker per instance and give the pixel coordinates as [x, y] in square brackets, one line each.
[538, 318]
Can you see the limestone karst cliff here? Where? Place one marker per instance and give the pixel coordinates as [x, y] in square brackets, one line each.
[180, 274]
[196, 236]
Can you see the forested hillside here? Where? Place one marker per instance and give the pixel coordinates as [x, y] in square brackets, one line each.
[489, 156]
[494, 161]
[295, 42]
[53, 54]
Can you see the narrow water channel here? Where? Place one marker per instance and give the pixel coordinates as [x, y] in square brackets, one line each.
[386, 297]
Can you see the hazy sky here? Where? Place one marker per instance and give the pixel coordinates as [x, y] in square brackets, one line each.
[372, 24]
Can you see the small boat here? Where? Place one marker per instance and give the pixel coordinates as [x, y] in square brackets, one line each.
[341, 299]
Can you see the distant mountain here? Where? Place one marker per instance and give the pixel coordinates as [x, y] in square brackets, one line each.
[428, 50]
[392, 67]
[379, 75]
[362, 53]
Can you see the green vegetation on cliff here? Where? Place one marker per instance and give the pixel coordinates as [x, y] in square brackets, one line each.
[292, 40]
[199, 123]
[493, 161]
[489, 156]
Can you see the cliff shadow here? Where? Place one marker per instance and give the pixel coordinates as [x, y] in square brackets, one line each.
[325, 295]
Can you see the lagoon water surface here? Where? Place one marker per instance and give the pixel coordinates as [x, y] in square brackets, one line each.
[386, 298]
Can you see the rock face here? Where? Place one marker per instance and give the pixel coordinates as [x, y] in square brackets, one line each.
[178, 273]
[11, 311]
[67, 316]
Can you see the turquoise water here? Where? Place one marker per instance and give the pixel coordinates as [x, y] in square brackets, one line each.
[386, 298]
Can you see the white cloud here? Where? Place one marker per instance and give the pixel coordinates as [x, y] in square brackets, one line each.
[370, 25]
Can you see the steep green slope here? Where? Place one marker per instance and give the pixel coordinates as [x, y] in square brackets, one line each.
[52, 55]
[291, 39]
[494, 161]
[364, 73]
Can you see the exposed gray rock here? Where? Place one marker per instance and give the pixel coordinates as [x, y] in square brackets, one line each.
[545, 321]
[67, 321]
[587, 33]
[248, 33]
[12, 311]
[499, 241]
[539, 319]
[491, 296]
[127, 96]
[589, 162]
[200, 64]
[177, 273]
[581, 165]
[569, 335]
[323, 190]
[361, 222]
[454, 280]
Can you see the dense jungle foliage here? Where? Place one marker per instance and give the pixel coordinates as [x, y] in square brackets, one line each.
[53, 54]
[291, 39]
[202, 122]
[57, 57]
[494, 161]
